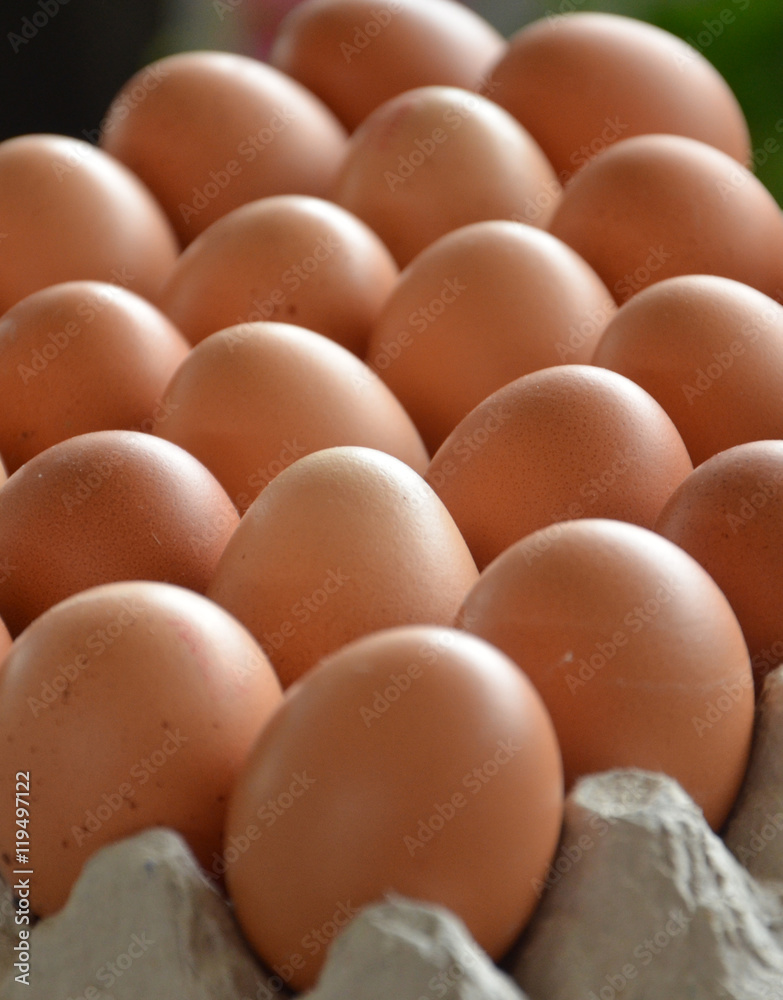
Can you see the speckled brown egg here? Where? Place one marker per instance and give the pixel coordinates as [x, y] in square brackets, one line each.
[68, 211]
[478, 308]
[289, 259]
[130, 706]
[710, 350]
[209, 131]
[656, 206]
[581, 82]
[82, 356]
[344, 542]
[728, 514]
[632, 647]
[251, 400]
[448, 792]
[356, 54]
[437, 158]
[106, 506]
[567, 442]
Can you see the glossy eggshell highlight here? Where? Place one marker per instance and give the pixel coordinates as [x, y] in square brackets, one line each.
[214, 130]
[69, 211]
[132, 705]
[289, 259]
[478, 308]
[587, 80]
[250, 400]
[107, 506]
[356, 54]
[343, 543]
[656, 206]
[82, 356]
[728, 514]
[566, 442]
[451, 794]
[437, 158]
[710, 350]
[630, 643]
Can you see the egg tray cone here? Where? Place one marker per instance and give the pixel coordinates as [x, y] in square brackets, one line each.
[642, 902]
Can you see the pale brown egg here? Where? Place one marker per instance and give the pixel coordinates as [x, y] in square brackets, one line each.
[418, 761]
[656, 206]
[344, 542]
[478, 308]
[130, 706]
[356, 54]
[728, 514]
[209, 131]
[633, 649]
[251, 400]
[68, 211]
[82, 356]
[437, 158]
[710, 350]
[290, 259]
[567, 442]
[107, 506]
[582, 82]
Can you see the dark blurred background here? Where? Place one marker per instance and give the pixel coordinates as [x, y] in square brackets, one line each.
[62, 61]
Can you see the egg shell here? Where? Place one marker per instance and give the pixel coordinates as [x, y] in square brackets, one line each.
[479, 307]
[562, 443]
[710, 350]
[82, 356]
[449, 791]
[69, 211]
[342, 543]
[437, 158]
[656, 206]
[131, 705]
[107, 506]
[209, 131]
[289, 259]
[356, 54]
[728, 514]
[632, 647]
[250, 400]
[581, 82]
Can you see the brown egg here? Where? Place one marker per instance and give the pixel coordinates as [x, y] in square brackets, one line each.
[437, 158]
[343, 543]
[250, 400]
[68, 211]
[634, 650]
[291, 259]
[582, 82]
[562, 443]
[356, 54]
[209, 131]
[417, 761]
[728, 514]
[106, 506]
[82, 356]
[5, 635]
[478, 308]
[710, 350]
[656, 206]
[132, 705]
